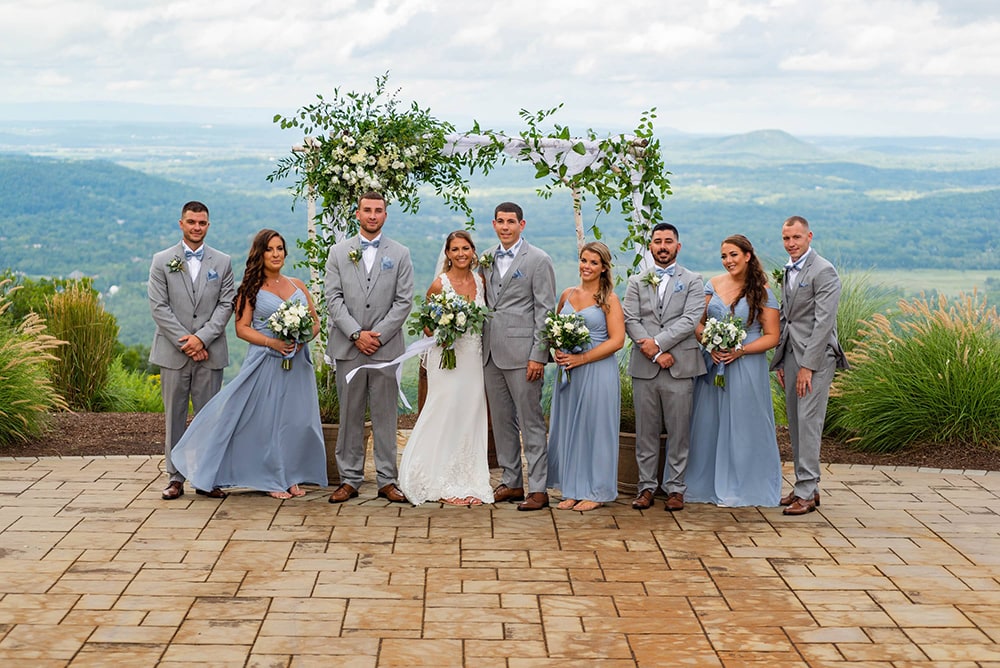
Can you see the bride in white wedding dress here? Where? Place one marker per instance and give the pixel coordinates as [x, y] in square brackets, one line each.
[445, 458]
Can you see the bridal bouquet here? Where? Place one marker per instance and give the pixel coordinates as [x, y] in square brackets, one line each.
[291, 322]
[725, 334]
[449, 315]
[565, 331]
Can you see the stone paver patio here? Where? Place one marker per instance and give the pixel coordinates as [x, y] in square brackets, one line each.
[899, 567]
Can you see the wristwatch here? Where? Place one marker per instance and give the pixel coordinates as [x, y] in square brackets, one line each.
[355, 336]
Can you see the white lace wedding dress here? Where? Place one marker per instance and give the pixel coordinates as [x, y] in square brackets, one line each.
[446, 455]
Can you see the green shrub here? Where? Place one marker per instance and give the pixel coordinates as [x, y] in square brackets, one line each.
[129, 391]
[26, 393]
[326, 388]
[930, 376]
[80, 373]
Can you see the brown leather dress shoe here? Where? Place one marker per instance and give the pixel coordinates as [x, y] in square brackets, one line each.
[215, 493]
[534, 501]
[392, 493]
[644, 500]
[504, 493]
[174, 490]
[343, 493]
[675, 502]
[791, 498]
[799, 507]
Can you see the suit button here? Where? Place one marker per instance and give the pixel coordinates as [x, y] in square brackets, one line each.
[368, 305]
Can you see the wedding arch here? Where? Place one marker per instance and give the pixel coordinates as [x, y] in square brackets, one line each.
[356, 142]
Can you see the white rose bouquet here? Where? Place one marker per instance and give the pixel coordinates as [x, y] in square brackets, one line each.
[291, 322]
[565, 331]
[449, 315]
[725, 334]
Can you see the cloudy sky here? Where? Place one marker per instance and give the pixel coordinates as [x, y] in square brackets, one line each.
[838, 67]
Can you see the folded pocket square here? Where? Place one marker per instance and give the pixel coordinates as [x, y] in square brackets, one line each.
[212, 275]
[678, 287]
[387, 263]
[517, 274]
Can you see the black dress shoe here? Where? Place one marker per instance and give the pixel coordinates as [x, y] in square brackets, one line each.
[174, 490]
[215, 493]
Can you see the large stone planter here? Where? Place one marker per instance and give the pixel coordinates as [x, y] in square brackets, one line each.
[628, 470]
[330, 432]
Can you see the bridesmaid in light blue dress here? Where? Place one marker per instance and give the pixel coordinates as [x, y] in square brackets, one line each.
[583, 430]
[262, 430]
[734, 459]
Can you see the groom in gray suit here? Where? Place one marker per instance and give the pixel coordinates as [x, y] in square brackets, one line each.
[369, 292]
[807, 356]
[662, 308]
[191, 295]
[520, 290]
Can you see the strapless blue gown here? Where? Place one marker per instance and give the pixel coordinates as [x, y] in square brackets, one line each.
[584, 424]
[262, 430]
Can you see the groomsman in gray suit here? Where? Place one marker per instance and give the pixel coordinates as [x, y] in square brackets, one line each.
[369, 293]
[662, 308]
[191, 294]
[807, 356]
[521, 290]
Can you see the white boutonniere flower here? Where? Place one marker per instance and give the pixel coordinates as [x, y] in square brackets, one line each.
[652, 279]
[486, 260]
[354, 255]
[175, 264]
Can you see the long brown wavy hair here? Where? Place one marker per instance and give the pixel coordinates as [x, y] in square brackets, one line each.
[605, 285]
[755, 284]
[253, 275]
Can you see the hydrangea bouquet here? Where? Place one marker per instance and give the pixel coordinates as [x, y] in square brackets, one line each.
[725, 334]
[565, 331]
[449, 315]
[291, 322]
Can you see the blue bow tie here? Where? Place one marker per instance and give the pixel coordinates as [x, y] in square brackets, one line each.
[505, 253]
[200, 253]
[661, 272]
[365, 244]
[797, 265]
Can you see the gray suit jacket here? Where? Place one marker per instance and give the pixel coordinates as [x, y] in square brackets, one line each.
[379, 301]
[809, 316]
[519, 303]
[672, 324]
[180, 308]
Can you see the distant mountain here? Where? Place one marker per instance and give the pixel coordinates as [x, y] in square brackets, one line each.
[770, 146]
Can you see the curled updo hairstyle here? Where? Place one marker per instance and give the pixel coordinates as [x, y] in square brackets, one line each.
[755, 282]
[253, 275]
[460, 234]
[605, 286]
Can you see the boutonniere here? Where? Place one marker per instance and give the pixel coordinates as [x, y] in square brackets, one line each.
[652, 279]
[354, 255]
[678, 287]
[175, 264]
[387, 263]
[778, 276]
[486, 260]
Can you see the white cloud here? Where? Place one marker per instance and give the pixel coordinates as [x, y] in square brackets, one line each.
[722, 65]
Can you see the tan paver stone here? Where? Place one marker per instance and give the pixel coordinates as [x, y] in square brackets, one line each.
[120, 655]
[384, 614]
[204, 654]
[863, 618]
[225, 607]
[112, 633]
[45, 641]
[286, 625]
[588, 645]
[421, 652]
[927, 615]
[326, 646]
[734, 620]
[104, 617]
[250, 555]
[882, 652]
[461, 615]
[296, 583]
[828, 635]
[743, 599]
[441, 600]
[678, 650]
[172, 618]
[217, 631]
[95, 602]
[578, 606]
[505, 649]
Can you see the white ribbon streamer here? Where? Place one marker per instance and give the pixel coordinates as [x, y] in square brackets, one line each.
[412, 350]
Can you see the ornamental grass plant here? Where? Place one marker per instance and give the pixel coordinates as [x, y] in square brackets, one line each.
[932, 375]
[80, 372]
[26, 393]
